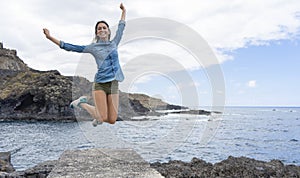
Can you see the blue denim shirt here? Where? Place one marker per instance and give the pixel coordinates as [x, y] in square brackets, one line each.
[105, 54]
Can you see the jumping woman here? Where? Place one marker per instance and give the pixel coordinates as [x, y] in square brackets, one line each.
[106, 82]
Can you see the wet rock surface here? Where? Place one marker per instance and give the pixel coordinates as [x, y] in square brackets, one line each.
[194, 112]
[231, 167]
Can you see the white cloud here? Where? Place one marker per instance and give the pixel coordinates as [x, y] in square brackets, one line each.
[251, 83]
[241, 92]
[203, 92]
[226, 26]
[231, 25]
[177, 54]
[143, 78]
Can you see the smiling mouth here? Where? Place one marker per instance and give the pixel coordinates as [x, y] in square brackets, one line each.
[102, 34]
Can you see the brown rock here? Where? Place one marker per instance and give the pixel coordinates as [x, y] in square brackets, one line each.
[5, 162]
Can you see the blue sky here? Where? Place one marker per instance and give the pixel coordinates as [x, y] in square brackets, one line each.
[255, 44]
[273, 67]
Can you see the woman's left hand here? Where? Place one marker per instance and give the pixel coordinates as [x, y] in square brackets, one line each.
[122, 7]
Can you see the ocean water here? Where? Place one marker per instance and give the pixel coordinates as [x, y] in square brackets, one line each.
[263, 133]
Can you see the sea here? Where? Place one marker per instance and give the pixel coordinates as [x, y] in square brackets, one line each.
[262, 133]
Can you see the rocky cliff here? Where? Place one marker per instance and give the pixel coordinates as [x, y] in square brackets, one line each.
[10, 61]
[45, 95]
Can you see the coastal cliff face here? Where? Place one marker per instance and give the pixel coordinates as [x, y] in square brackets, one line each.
[153, 103]
[31, 94]
[10, 61]
[45, 95]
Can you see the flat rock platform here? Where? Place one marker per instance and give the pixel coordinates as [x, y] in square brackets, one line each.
[92, 163]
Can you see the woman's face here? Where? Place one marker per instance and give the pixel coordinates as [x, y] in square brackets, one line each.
[103, 31]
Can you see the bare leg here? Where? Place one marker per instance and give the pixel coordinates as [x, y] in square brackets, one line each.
[112, 107]
[100, 100]
[106, 107]
[99, 111]
[90, 109]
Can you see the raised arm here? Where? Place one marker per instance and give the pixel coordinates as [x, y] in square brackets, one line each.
[49, 37]
[65, 46]
[121, 25]
[123, 15]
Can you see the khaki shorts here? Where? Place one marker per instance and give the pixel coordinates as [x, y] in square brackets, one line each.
[108, 87]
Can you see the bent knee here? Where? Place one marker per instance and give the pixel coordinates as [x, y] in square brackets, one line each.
[111, 121]
[101, 118]
[108, 120]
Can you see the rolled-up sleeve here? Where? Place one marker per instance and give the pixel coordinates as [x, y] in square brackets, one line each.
[119, 32]
[71, 47]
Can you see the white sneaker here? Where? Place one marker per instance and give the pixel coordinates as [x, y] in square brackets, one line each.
[76, 103]
[96, 122]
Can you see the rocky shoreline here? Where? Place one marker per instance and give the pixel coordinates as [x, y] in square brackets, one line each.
[231, 167]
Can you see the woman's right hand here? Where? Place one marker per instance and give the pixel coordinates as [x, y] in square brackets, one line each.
[49, 37]
[46, 32]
